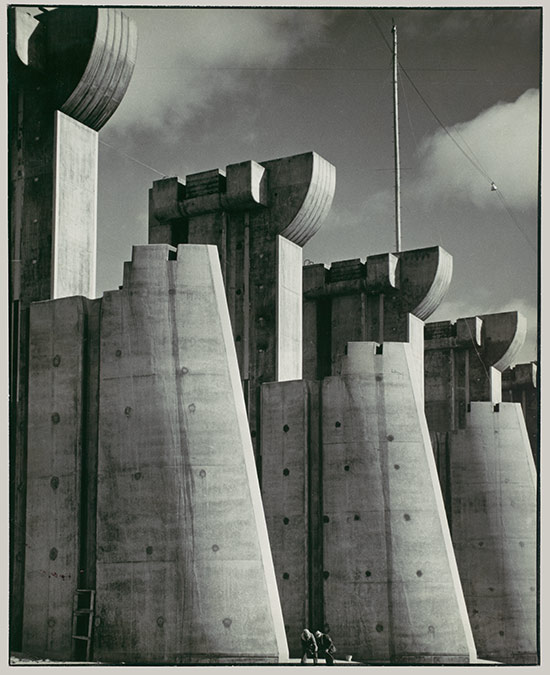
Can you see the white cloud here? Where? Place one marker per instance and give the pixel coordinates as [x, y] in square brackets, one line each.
[194, 54]
[503, 140]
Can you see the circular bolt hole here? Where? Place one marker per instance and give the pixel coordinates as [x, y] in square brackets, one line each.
[253, 434]
[53, 553]
[238, 291]
[286, 428]
[54, 482]
[521, 544]
[227, 622]
[127, 411]
[118, 352]
[326, 519]
[418, 573]
[191, 407]
[285, 472]
[215, 548]
[337, 425]
[56, 360]
[379, 627]
[286, 575]
[396, 467]
[286, 521]
[184, 370]
[149, 550]
[389, 437]
[202, 473]
[367, 573]
[480, 543]
[160, 621]
[238, 338]
[406, 516]
[56, 418]
[51, 622]
[346, 468]
[356, 517]
[379, 378]
[326, 575]
[491, 588]
[137, 475]
[501, 632]
[431, 629]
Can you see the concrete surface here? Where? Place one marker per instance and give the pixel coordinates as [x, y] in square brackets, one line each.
[67, 68]
[519, 385]
[184, 570]
[392, 592]
[494, 530]
[74, 231]
[258, 215]
[354, 301]
[56, 440]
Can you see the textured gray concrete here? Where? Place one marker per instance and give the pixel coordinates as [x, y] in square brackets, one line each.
[519, 385]
[488, 476]
[392, 592]
[56, 453]
[68, 71]
[258, 215]
[184, 569]
[493, 523]
[74, 231]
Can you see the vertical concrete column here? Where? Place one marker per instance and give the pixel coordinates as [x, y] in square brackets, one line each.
[184, 569]
[519, 385]
[291, 493]
[392, 591]
[59, 452]
[489, 479]
[68, 71]
[259, 215]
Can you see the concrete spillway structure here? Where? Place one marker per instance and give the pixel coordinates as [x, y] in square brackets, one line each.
[519, 385]
[259, 215]
[350, 487]
[142, 467]
[68, 71]
[488, 477]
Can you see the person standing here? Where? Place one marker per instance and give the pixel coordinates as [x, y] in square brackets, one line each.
[325, 647]
[309, 646]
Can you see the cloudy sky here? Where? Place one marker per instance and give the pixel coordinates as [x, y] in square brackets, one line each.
[217, 86]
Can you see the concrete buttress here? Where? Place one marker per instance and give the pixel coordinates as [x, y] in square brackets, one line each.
[350, 485]
[489, 481]
[69, 68]
[259, 215]
[184, 568]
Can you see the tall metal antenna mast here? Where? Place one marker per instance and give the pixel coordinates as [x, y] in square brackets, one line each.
[396, 146]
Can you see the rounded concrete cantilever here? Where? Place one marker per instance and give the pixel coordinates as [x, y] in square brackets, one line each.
[502, 336]
[300, 193]
[87, 57]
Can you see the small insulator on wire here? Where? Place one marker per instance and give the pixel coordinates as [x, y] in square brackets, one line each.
[493, 187]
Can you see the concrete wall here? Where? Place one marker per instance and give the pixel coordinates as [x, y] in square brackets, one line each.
[494, 530]
[289, 310]
[75, 208]
[57, 453]
[292, 497]
[184, 570]
[392, 592]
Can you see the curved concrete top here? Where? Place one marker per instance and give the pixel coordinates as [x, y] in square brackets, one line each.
[425, 277]
[503, 335]
[301, 190]
[89, 55]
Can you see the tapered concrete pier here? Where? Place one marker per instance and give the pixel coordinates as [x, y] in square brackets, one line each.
[488, 477]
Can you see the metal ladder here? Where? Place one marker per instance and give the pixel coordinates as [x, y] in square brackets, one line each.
[83, 605]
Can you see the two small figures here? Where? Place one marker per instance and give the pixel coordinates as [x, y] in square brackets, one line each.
[317, 646]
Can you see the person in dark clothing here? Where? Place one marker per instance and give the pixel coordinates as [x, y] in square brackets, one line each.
[325, 647]
[309, 646]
